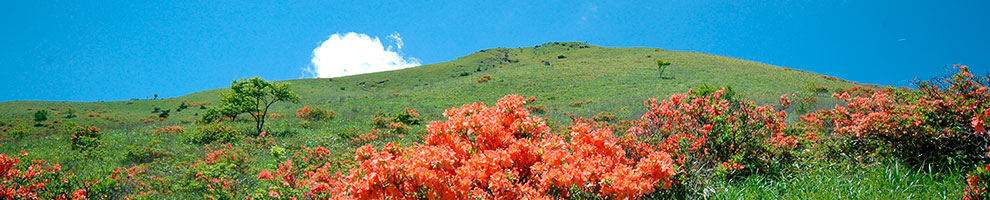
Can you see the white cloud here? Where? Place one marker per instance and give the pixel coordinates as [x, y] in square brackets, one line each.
[356, 53]
[398, 40]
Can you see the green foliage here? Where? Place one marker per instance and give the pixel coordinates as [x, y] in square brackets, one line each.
[662, 65]
[219, 174]
[164, 114]
[254, 96]
[215, 132]
[398, 123]
[40, 116]
[604, 116]
[69, 112]
[84, 138]
[538, 108]
[409, 117]
[146, 153]
[979, 181]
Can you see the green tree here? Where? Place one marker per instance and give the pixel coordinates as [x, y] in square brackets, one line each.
[253, 96]
[662, 65]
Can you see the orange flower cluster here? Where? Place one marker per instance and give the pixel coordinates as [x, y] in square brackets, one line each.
[930, 125]
[303, 112]
[367, 137]
[484, 79]
[219, 172]
[495, 152]
[314, 113]
[34, 180]
[270, 115]
[136, 180]
[976, 184]
[170, 130]
[194, 104]
[705, 129]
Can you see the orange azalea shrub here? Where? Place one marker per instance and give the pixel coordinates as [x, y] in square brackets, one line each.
[491, 152]
[712, 135]
[942, 123]
[219, 173]
[398, 124]
[289, 179]
[484, 79]
[127, 183]
[314, 113]
[977, 183]
[84, 138]
[168, 130]
[35, 180]
[194, 104]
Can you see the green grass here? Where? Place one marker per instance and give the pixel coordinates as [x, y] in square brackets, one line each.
[827, 180]
[615, 80]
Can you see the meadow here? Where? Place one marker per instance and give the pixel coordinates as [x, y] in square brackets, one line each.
[708, 127]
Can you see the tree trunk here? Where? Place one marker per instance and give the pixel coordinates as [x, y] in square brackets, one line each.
[661, 71]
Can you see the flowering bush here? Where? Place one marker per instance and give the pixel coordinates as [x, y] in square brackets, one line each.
[314, 113]
[194, 104]
[605, 117]
[35, 180]
[408, 117]
[127, 183]
[216, 132]
[976, 183]
[290, 178]
[219, 173]
[712, 135]
[84, 138]
[397, 123]
[168, 130]
[495, 152]
[484, 79]
[931, 125]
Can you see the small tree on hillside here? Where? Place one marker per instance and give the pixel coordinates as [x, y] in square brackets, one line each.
[253, 96]
[662, 65]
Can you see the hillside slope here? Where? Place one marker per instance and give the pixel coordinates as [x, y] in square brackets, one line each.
[559, 75]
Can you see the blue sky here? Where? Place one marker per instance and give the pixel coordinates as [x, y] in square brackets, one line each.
[117, 50]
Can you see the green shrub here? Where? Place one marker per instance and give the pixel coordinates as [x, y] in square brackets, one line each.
[69, 112]
[164, 114]
[40, 116]
[409, 117]
[538, 108]
[605, 117]
[84, 138]
[145, 154]
[216, 132]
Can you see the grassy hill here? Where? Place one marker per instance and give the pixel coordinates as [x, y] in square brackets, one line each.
[566, 78]
[559, 75]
